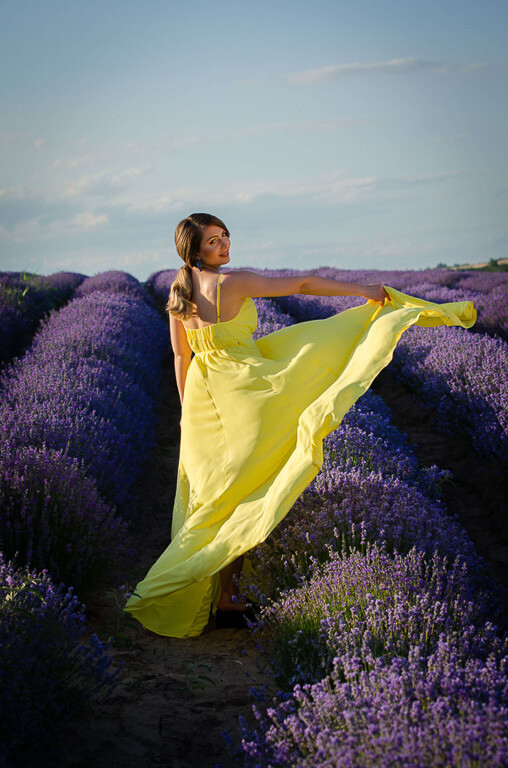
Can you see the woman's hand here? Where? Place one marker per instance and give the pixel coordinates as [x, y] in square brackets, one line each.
[376, 292]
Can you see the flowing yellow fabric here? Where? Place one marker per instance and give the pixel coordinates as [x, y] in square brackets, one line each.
[254, 416]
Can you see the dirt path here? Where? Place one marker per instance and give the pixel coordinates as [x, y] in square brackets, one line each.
[174, 697]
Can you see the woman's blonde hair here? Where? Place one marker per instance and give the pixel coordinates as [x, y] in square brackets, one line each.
[188, 236]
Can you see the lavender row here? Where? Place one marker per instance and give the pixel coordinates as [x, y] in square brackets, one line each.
[25, 299]
[368, 576]
[270, 318]
[488, 291]
[48, 669]
[77, 420]
[463, 376]
[352, 620]
[114, 281]
[81, 397]
[158, 284]
[373, 603]
[430, 711]
[370, 488]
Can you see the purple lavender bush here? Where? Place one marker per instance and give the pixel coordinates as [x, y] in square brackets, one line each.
[77, 420]
[462, 375]
[488, 291]
[158, 284]
[48, 669]
[25, 299]
[52, 517]
[373, 604]
[464, 378]
[367, 440]
[369, 584]
[270, 318]
[66, 282]
[430, 711]
[114, 281]
[370, 488]
[87, 386]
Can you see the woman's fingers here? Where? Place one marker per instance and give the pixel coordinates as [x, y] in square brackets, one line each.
[377, 292]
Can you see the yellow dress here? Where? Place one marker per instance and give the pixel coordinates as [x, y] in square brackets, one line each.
[254, 416]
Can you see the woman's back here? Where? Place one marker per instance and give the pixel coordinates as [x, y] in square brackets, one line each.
[212, 299]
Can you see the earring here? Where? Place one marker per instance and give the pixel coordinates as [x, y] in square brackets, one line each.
[199, 265]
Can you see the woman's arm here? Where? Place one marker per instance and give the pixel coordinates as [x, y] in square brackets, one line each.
[181, 351]
[245, 283]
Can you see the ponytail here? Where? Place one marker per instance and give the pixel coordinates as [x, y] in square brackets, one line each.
[179, 301]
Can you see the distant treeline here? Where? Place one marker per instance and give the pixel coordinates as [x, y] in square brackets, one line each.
[494, 265]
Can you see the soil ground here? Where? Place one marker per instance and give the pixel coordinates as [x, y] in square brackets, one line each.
[175, 697]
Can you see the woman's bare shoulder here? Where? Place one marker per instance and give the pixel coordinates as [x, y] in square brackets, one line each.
[233, 275]
[244, 282]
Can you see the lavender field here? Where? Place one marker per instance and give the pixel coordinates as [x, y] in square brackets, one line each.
[381, 635]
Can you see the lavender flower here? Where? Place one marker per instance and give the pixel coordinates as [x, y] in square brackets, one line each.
[48, 667]
[114, 281]
[24, 300]
[52, 517]
[462, 375]
[77, 419]
[372, 604]
[87, 387]
[428, 711]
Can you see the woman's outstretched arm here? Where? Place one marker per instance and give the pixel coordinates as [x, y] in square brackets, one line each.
[245, 283]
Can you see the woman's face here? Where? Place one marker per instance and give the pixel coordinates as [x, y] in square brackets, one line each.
[214, 250]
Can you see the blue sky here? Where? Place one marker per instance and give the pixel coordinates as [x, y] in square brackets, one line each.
[350, 134]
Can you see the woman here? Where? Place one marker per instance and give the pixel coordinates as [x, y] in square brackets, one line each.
[254, 414]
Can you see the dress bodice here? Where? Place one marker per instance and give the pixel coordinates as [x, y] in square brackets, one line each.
[228, 333]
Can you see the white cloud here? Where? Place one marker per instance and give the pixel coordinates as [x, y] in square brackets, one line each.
[105, 182]
[8, 139]
[72, 162]
[262, 129]
[26, 215]
[337, 187]
[475, 66]
[457, 137]
[38, 228]
[20, 140]
[88, 220]
[425, 178]
[336, 71]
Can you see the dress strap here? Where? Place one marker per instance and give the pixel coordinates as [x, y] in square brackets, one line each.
[218, 299]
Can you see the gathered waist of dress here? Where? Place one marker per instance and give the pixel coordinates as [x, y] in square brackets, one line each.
[214, 337]
[207, 345]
